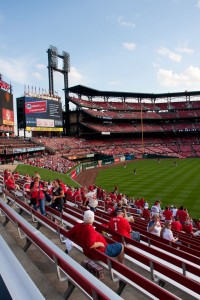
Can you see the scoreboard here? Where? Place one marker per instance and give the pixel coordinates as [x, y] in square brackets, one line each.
[40, 114]
[6, 108]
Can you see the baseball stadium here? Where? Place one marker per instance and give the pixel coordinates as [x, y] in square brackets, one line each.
[141, 150]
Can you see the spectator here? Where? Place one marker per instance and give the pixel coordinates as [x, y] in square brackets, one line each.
[155, 209]
[113, 197]
[36, 174]
[145, 212]
[118, 207]
[63, 186]
[167, 234]
[154, 226]
[121, 225]
[77, 195]
[176, 225]
[89, 239]
[173, 210]
[167, 214]
[119, 197]
[27, 177]
[57, 196]
[91, 198]
[111, 208]
[37, 195]
[132, 202]
[187, 226]
[182, 215]
[6, 173]
[10, 183]
[124, 200]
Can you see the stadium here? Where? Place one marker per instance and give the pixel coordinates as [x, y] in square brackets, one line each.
[146, 144]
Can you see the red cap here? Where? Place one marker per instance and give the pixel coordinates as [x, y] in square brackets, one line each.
[91, 188]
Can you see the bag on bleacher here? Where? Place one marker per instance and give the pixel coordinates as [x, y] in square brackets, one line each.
[69, 245]
[135, 235]
[93, 268]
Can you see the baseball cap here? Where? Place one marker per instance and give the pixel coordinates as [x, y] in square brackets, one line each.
[91, 188]
[88, 216]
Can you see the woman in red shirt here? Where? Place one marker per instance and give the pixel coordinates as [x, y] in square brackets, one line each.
[10, 183]
[37, 195]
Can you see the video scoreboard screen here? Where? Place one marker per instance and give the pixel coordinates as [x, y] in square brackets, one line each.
[43, 114]
[6, 108]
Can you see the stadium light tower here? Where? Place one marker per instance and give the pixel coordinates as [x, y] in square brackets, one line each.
[66, 70]
[52, 65]
[53, 56]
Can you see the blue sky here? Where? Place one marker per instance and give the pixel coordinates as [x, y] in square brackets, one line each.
[119, 45]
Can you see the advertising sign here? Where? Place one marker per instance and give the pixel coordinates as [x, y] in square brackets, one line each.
[43, 115]
[6, 108]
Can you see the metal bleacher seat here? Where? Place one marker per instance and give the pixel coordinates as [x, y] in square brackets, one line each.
[15, 283]
[67, 268]
[170, 275]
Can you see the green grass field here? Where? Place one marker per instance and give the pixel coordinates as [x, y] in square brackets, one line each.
[47, 175]
[154, 181]
[157, 181]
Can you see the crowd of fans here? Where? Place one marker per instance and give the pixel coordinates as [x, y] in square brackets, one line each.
[116, 204]
[52, 162]
[163, 223]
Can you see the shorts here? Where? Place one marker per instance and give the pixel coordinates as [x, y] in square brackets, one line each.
[135, 236]
[113, 250]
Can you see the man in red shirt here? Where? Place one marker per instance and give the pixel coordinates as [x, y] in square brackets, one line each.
[145, 212]
[120, 225]
[187, 227]
[182, 215]
[167, 214]
[89, 239]
[176, 225]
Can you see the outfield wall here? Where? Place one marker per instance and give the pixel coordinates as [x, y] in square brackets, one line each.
[100, 163]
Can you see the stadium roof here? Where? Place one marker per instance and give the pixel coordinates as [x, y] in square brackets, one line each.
[89, 92]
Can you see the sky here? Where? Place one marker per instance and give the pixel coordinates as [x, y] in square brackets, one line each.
[148, 46]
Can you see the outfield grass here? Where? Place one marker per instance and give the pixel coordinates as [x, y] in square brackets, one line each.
[157, 181]
[45, 174]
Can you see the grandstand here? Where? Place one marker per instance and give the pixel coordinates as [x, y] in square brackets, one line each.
[105, 124]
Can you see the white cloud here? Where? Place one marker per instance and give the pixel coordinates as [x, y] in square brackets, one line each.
[185, 50]
[171, 55]
[124, 23]
[75, 75]
[37, 75]
[198, 4]
[194, 74]
[17, 70]
[189, 78]
[129, 46]
[21, 70]
[40, 66]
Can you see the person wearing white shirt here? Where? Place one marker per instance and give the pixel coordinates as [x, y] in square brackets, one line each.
[91, 198]
[167, 234]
